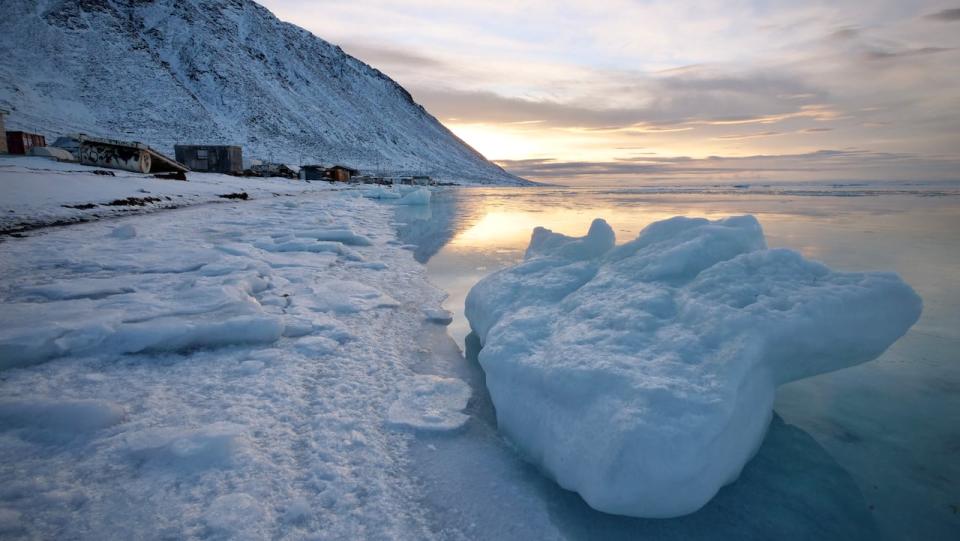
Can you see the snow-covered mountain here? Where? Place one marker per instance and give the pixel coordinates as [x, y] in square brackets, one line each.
[216, 71]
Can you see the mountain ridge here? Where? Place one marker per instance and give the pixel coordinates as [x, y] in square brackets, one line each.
[218, 72]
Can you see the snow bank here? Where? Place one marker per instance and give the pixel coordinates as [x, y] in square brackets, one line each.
[430, 403]
[643, 376]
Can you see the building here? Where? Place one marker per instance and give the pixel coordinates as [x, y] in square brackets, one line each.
[211, 158]
[3, 131]
[20, 142]
[337, 173]
[125, 155]
[340, 173]
[313, 172]
[269, 169]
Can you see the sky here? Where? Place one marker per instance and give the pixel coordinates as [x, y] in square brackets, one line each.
[649, 91]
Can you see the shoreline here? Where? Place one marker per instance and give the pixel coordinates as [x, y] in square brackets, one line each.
[276, 382]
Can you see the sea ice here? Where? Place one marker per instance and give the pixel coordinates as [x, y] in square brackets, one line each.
[642, 376]
[430, 403]
[438, 316]
[65, 416]
[344, 235]
[212, 446]
[416, 197]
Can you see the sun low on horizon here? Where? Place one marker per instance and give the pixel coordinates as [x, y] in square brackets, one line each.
[629, 91]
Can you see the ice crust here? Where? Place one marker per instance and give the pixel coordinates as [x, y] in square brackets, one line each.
[642, 376]
[430, 403]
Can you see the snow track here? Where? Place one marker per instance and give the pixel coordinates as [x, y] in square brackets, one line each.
[184, 423]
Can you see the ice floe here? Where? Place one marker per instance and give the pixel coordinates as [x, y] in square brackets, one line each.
[430, 403]
[642, 376]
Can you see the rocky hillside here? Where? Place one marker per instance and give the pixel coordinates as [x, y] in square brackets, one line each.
[216, 71]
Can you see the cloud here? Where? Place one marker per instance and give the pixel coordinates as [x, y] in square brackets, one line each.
[834, 164]
[390, 56]
[644, 103]
[946, 15]
[878, 54]
[749, 135]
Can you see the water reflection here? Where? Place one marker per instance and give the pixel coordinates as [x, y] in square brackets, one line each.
[878, 440]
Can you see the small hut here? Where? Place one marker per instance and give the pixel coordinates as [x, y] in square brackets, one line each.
[211, 158]
[313, 172]
[340, 173]
[20, 142]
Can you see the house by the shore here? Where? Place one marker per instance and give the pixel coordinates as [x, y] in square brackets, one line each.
[20, 142]
[226, 159]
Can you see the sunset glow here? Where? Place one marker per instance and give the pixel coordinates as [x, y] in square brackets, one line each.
[586, 91]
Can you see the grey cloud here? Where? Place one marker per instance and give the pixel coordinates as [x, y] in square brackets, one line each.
[828, 163]
[947, 15]
[750, 135]
[845, 33]
[689, 96]
[879, 54]
[390, 56]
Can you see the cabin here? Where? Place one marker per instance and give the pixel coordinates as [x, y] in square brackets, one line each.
[337, 173]
[211, 158]
[313, 172]
[3, 131]
[340, 173]
[20, 142]
[269, 169]
[125, 155]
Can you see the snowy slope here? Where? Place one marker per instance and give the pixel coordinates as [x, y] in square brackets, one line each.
[216, 71]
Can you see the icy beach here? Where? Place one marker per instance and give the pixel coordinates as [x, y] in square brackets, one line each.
[281, 367]
[238, 370]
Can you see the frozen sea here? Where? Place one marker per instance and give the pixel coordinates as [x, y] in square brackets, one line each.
[867, 452]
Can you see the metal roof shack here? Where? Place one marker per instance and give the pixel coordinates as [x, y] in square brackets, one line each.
[313, 172]
[125, 155]
[341, 173]
[336, 173]
[211, 158]
[3, 132]
[20, 142]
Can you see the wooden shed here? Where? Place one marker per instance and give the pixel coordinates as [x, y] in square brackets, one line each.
[211, 158]
[340, 173]
[313, 172]
[20, 142]
[3, 131]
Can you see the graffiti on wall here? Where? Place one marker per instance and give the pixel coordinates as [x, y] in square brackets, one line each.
[116, 157]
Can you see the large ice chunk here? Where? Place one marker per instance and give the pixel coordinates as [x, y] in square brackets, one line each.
[642, 376]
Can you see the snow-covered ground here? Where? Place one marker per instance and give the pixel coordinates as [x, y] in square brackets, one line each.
[240, 370]
[38, 191]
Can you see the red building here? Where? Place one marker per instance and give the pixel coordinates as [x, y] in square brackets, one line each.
[20, 142]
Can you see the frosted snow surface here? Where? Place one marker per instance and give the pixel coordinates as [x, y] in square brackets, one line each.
[232, 371]
[642, 376]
